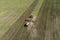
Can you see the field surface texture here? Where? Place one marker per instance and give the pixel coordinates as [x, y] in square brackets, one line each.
[46, 15]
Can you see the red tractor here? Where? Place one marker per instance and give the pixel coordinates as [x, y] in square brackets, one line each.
[28, 20]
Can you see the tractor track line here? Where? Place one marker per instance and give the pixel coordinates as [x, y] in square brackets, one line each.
[37, 36]
[52, 28]
[49, 16]
[42, 17]
[39, 15]
[23, 29]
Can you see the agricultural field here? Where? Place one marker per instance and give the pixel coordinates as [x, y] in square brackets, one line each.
[10, 11]
[45, 24]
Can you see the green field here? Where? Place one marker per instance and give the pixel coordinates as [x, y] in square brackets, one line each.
[37, 8]
[10, 11]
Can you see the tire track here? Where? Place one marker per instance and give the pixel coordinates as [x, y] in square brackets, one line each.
[54, 22]
[23, 35]
[47, 24]
[37, 35]
[51, 27]
[15, 28]
[34, 32]
[42, 17]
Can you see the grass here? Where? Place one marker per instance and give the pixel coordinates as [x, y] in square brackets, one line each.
[10, 11]
[37, 8]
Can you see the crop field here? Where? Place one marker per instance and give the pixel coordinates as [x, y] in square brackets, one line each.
[14, 12]
[10, 11]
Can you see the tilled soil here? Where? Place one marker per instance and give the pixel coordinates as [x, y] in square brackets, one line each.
[48, 21]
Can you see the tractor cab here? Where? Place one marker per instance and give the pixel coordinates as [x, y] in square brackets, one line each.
[26, 24]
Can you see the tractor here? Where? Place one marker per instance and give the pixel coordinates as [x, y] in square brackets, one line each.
[28, 20]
